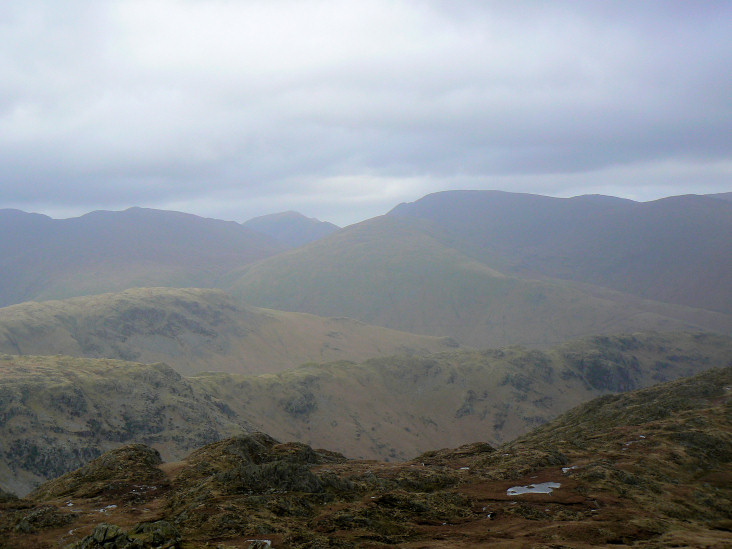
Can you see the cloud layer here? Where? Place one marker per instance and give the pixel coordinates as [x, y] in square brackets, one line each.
[342, 109]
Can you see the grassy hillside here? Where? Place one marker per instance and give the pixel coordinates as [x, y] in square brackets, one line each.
[43, 258]
[388, 272]
[195, 330]
[397, 407]
[648, 469]
[58, 412]
[673, 250]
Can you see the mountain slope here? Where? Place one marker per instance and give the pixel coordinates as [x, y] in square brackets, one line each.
[391, 272]
[44, 258]
[58, 412]
[645, 470]
[396, 407]
[196, 330]
[675, 250]
[291, 228]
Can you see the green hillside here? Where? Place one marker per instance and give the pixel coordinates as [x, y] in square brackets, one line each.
[397, 407]
[390, 272]
[59, 412]
[196, 330]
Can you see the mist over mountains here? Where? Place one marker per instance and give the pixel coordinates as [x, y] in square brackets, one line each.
[493, 268]
[291, 228]
[485, 267]
[45, 258]
[676, 249]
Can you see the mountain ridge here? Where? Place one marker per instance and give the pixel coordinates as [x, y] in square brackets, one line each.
[672, 249]
[486, 267]
[104, 251]
[196, 330]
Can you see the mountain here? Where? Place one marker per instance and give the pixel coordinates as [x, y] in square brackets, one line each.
[722, 196]
[44, 258]
[645, 469]
[196, 330]
[487, 268]
[59, 412]
[392, 271]
[291, 228]
[675, 250]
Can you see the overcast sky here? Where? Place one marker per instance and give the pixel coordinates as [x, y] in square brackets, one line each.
[341, 110]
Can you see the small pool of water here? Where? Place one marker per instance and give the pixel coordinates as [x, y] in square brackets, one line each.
[541, 488]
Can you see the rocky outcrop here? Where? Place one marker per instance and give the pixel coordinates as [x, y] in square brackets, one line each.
[109, 474]
[160, 535]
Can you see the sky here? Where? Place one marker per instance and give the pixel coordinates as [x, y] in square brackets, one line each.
[343, 109]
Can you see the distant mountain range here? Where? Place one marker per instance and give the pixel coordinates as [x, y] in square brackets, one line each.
[416, 274]
[43, 258]
[675, 250]
[722, 196]
[485, 267]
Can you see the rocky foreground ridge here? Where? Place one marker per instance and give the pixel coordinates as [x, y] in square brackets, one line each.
[651, 468]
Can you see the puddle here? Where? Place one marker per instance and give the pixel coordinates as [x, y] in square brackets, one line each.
[541, 488]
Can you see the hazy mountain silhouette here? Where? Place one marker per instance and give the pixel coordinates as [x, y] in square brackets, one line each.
[44, 258]
[676, 250]
[291, 228]
[722, 196]
[402, 272]
[490, 268]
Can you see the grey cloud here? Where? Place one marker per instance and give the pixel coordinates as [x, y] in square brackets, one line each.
[156, 103]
